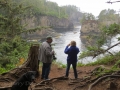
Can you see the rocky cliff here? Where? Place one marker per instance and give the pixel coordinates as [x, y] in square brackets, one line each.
[47, 21]
[51, 21]
[89, 32]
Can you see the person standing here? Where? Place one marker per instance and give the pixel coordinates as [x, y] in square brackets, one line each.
[46, 57]
[71, 50]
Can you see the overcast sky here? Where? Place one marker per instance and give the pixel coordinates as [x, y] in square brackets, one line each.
[90, 6]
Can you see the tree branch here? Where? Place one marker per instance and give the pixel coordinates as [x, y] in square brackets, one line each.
[105, 50]
[112, 2]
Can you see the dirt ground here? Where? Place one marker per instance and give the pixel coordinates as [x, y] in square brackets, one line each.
[85, 80]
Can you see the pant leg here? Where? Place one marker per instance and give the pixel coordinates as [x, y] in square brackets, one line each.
[43, 70]
[75, 70]
[47, 70]
[67, 69]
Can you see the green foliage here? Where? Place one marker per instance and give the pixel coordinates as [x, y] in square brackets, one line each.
[106, 71]
[107, 33]
[100, 71]
[12, 46]
[108, 60]
[101, 40]
[113, 69]
[80, 64]
[44, 7]
[109, 15]
[60, 65]
[91, 51]
[8, 67]
[111, 30]
[13, 51]
[10, 19]
[87, 16]
[105, 60]
[117, 64]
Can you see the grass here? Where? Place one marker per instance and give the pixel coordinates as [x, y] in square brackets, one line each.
[113, 60]
[8, 68]
[107, 60]
[60, 64]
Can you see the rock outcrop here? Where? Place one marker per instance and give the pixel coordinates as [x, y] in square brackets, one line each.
[89, 32]
[51, 21]
[47, 21]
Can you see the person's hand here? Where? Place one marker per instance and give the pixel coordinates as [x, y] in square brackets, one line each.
[68, 45]
[53, 52]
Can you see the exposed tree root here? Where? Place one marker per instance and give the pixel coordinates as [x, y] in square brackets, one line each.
[94, 81]
[5, 88]
[90, 80]
[101, 78]
[6, 79]
[58, 78]
[31, 64]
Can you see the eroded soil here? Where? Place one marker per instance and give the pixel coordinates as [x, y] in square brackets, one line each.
[85, 80]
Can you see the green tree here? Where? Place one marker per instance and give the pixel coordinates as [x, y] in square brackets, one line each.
[12, 46]
[87, 16]
[10, 19]
[106, 31]
[45, 7]
[108, 15]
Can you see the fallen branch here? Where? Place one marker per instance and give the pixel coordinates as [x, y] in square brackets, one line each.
[112, 2]
[103, 51]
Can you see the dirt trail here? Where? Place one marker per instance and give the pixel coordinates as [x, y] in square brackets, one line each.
[63, 84]
[86, 80]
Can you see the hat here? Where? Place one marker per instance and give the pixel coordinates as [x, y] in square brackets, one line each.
[48, 37]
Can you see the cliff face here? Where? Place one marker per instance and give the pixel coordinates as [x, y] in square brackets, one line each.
[89, 32]
[51, 21]
[89, 27]
[55, 22]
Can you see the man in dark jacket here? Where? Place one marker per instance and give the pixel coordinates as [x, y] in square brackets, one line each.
[72, 52]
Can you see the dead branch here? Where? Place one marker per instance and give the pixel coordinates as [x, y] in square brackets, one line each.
[112, 2]
[102, 52]
[112, 46]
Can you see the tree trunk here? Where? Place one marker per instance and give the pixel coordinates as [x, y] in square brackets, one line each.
[32, 61]
[31, 64]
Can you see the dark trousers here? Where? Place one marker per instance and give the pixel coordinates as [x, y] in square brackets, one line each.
[74, 68]
[45, 70]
